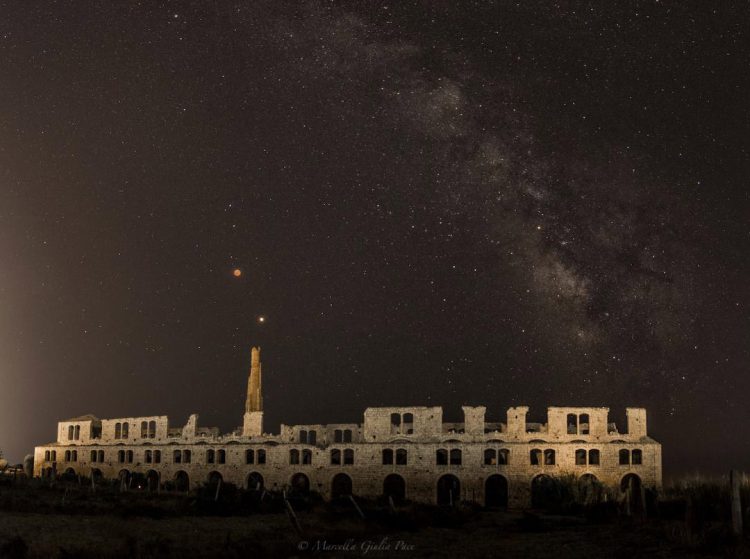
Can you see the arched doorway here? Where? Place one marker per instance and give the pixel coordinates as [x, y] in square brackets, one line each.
[254, 482]
[543, 492]
[138, 481]
[341, 486]
[496, 492]
[152, 480]
[124, 477]
[69, 475]
[448, 490]
[394, 486]
[96, 475]
[182, 481]
[300, 483]
[632, 488]
[589, 489]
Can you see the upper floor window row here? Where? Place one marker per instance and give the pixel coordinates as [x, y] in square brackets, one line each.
[342, 436]
[631, 457]
[578, 424]
[443, 457]
[402, 423]
[148, 429]
[121, 430]
[308, 437]
[74, 432]
[401, 457]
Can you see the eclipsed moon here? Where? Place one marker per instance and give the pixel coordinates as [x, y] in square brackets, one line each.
[237, 272]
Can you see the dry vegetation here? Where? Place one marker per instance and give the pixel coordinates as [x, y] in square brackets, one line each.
[66, 520]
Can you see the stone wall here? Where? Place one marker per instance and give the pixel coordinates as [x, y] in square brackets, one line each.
[422, 438]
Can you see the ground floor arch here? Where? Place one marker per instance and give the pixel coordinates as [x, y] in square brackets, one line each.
[124, 477]
[300, 483]
[496, 491]
[448, 490]
[394, 486]
[69, 475]
[589, 489]
[632, 488]
[182, 481]
[543, 491]
[341, 486]
[255, 482]
[152, 480]
[96, 475]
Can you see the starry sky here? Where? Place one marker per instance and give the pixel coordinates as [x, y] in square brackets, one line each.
[431, 203]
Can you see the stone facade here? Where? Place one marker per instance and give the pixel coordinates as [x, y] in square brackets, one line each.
[406, 452]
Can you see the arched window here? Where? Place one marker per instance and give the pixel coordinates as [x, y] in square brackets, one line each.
[125, 430]
[130, 456]
[636, 457]
[490, 457]
[294, 456]
[455, 457]
[152, 429]
[388, 456]
[261, 456]
[535, 457]
[77, 433]
[401, 457]
[118, 430]
[67, 456]
[157, 456]
[303, 437]
[121, 456]
[307, 456]
[441, 457]
[338, 436]
[249, 456]
[70, 432]
[210, 456]
[347, 435]
[580, 457]
[312, 437]
[144, 429]
[177, 457]
[408, 418]
[54, 456]
[335, 457]
[46, 456]
[187, 456]
[75, 456]
[396, 419]
[348, 457]
[93, 456]
[583, 424]
[101, 455]
[572, 421]
[624, 457]
[549, 457]
[503, 456]
[594, 457]
[221, 456]
[148, 457]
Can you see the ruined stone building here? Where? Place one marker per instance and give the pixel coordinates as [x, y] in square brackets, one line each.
[406, 452]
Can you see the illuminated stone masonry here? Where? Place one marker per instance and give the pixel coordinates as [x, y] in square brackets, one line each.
[405, 452]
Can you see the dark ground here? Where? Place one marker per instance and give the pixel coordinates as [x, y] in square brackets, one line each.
[67, 521]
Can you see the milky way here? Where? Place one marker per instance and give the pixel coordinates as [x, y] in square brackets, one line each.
[429, 204]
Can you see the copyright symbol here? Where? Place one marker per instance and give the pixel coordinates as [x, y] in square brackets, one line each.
[303, 545]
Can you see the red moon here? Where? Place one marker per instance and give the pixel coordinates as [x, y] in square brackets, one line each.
[237, 272]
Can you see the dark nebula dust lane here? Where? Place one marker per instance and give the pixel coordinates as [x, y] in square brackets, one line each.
[427, 203]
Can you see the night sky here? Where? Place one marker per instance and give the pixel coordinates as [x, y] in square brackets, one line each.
[437, 203]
